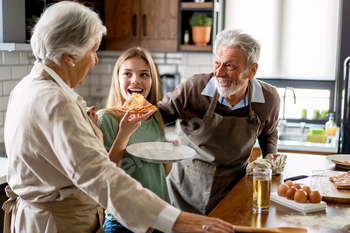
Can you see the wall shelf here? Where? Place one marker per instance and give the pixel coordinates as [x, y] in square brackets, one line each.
[206, 48]
[187, 9]
[194, 5]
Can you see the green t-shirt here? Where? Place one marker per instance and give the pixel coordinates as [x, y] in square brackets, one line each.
[150, 175]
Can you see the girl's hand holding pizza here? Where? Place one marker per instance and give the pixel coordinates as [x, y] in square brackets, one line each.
[130, 122]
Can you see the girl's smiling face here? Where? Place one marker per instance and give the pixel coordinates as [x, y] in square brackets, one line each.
[135, 77]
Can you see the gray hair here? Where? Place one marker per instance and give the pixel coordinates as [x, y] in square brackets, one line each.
[232, 38]
[66, 27]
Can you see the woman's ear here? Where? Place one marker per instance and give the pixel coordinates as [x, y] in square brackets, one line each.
[252, 70]
[68, 59]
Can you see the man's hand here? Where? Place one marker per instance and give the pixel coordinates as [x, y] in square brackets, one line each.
[192, 223]
[272, 157]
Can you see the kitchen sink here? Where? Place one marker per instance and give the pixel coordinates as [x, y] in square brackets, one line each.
[293, 134]
[292, 137]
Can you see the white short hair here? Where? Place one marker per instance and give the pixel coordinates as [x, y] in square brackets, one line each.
[66, 27]
[232, 38]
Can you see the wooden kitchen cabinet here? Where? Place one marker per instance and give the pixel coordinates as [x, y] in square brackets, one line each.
[149, 23]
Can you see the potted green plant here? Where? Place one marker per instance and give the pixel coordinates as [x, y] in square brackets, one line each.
[201, 27]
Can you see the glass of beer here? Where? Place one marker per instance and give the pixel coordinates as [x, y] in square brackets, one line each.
[261, 189]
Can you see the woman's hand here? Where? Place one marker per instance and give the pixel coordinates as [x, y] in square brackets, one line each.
[92, 110]
[130, 122]
[192, 223]
[175, 142]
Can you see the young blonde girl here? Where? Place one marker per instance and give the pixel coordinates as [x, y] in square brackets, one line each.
[134, 72]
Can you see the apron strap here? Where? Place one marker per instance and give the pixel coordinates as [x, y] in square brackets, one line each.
[10, 208]
[213, 104]
[252, 115]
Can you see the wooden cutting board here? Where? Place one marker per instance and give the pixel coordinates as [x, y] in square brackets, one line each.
[327, 189]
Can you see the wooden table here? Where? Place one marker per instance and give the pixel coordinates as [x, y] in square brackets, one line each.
[236, 207]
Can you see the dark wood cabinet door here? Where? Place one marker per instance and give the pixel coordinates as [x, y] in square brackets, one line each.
[159, 27]
[122, 19]
[149, 23]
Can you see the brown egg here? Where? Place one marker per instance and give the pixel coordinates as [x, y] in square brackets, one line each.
[306, 189]
[315, 197]
[290, 193]
[298, 186]
[289, 183]
[300, 196]
[282, 189]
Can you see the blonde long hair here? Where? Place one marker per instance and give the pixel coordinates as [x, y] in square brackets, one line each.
[115, 98]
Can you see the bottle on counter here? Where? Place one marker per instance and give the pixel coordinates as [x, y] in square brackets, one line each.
[331, 127]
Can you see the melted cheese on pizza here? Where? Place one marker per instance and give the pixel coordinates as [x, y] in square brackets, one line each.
[137, 104]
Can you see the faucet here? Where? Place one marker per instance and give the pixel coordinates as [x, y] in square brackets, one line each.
[283, 122]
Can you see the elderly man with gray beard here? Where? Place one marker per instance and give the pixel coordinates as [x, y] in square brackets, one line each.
[221, 116]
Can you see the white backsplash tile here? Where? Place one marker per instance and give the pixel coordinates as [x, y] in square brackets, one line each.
[25, 57]
[3, 103]
[173, 61]
[8, 86]
[106, 80]
[200, 59]
[157, 55]
[187, 71]
[95, 79]
[101, 69]
[173, 55]
[163, 69]
[5, 73]
[99, 91]
[2, 119]
[10, 58]
[206, 69]
[159, 60]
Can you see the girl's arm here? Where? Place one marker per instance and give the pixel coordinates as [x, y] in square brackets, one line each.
[127, 126]
[167, 168]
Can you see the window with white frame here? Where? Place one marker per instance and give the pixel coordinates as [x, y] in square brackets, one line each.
[299, 37]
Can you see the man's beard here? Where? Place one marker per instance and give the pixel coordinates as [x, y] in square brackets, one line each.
[232, 89]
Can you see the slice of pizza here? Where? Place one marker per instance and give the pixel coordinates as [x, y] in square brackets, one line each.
[341, 181]
[137, 104]
[341, 162]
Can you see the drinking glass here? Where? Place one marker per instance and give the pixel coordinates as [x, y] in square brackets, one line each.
[261, 189]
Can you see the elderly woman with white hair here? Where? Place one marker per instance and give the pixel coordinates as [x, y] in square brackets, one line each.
[59, 173]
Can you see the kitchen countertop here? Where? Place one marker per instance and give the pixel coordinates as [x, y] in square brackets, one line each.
[3, 170]
[236, 207]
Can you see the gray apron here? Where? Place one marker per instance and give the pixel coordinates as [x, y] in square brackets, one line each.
[223, 146]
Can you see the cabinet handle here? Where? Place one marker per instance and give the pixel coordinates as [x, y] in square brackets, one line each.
[144, 25]
[134, 18]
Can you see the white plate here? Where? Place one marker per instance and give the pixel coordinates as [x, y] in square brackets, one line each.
[340, 157]
[302, 207]
[160, 152]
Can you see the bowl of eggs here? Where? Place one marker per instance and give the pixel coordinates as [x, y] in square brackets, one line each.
[298, 197]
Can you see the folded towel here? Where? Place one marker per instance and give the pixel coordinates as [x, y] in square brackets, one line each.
[277, 166]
